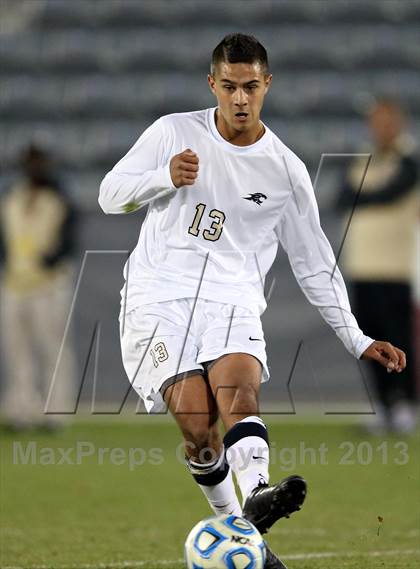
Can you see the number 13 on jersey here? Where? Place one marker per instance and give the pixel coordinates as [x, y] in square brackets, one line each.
[216, 227]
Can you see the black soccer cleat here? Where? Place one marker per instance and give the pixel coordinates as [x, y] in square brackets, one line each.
[267, 504]
[271, 560]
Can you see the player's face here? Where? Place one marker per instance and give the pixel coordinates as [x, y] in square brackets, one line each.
[240, 89]
[385, 122]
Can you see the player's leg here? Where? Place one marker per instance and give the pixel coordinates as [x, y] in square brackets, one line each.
[163, 378]
[160, 362]
[235, 382]
[399, 331]
[57, 382]
[370, 304]
[235, 379]
[192, 404]
[234, 342]
[21, 403]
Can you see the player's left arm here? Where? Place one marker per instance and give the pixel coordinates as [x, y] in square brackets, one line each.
[314, 265]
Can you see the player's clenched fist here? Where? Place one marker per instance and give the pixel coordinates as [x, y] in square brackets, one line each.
[184, 168]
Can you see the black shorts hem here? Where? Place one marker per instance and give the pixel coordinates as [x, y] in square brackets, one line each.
[178, 377]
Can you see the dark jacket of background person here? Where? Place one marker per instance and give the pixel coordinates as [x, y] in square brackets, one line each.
[380, 244]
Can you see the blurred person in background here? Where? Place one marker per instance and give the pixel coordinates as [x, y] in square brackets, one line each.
[36, 230]
[380, 253]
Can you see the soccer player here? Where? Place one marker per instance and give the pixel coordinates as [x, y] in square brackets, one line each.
[222, 190]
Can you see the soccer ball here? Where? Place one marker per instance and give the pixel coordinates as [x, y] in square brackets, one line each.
[225, 542]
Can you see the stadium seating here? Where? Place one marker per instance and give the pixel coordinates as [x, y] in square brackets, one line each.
[92, 75]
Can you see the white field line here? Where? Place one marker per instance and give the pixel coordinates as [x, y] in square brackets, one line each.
[166, 562]
[328, 554]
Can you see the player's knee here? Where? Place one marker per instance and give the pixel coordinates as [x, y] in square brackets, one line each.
[202, 443]
[242, 400]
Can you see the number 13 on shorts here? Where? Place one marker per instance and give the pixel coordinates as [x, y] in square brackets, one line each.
[159, 353]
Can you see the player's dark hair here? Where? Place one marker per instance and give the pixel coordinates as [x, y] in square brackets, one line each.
[239, 48]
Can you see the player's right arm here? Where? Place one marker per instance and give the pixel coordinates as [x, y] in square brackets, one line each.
[147, 172]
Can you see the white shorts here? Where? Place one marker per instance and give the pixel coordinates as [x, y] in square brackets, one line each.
[163, 342]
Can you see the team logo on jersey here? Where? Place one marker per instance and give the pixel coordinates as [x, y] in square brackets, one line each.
[256, 198]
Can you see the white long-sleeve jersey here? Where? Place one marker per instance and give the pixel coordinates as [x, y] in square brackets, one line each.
[218, 238]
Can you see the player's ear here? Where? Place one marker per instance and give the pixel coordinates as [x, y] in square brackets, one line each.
[212, 83]
[267, 81]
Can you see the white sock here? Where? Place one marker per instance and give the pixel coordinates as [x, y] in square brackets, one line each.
[215, 480]
[247, 453]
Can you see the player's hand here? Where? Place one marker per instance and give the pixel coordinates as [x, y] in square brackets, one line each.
[387, 355]
[184, 168]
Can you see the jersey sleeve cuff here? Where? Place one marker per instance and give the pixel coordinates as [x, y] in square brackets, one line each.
[166, 177]
[354, 340]
[363, 345]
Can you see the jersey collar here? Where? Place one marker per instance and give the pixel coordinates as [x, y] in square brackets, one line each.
[251, 148]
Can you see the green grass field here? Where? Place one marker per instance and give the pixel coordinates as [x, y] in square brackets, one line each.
[110, 512]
